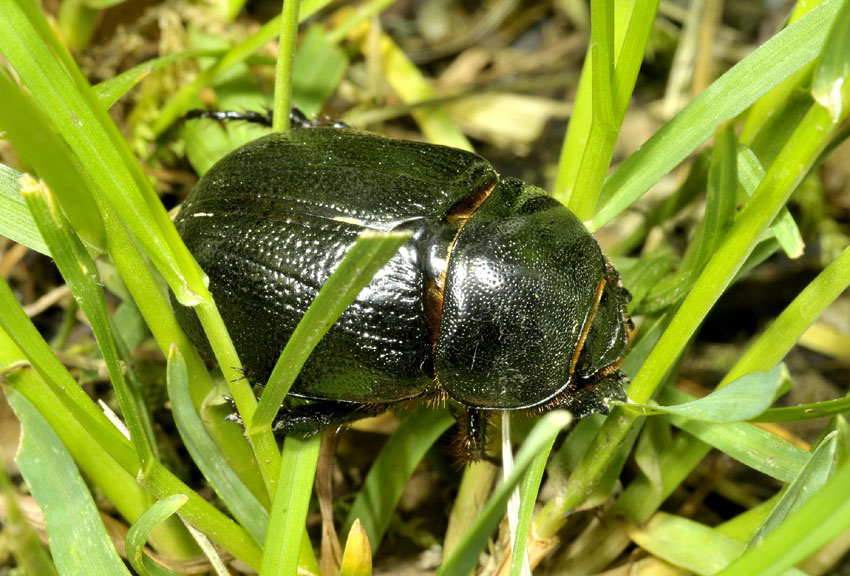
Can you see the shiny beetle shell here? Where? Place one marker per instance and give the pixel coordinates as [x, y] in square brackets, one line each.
[501, 299]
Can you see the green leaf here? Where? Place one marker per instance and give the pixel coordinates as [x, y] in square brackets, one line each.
[80, 272]
[29, 130]
[465, 556]
[528, 490]
[141, 529]
[728, 96]
[746, 443]
[30, 554]
[318, 70]
[808, 482]
[751, 172]
[16, 224]
[287, 531]
[111, 90]
[78, 540]
[722, 195]
[743, 399]
[831, 83]
[816, 523]
[381, 491]
[92, 141]
[236, 496]
[690, 545]
[363, 260]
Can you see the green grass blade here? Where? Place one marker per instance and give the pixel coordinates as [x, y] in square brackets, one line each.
[239, 500]
[319, 67]
[289, 511]
[746, 443]
[528, 490]
[816, 523]
[465, 556]
[784, 228]
[363, 260]
[16, 223]
[26, 337]
[141, 529]
[612, 88]
[80, 272]
[721, 198]
[690, 545]
[808, 482]
[34, 138]
[381, 491]
[285, 61]
[30, 555]
[728, 96]
[78, 540]
[743, 399]
[111, 90]
[578, 131]
[784, 332]
[801, 412]
[113, 174]
[603, 126]
[830, 86]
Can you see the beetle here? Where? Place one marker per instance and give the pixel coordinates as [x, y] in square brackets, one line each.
[500, 300]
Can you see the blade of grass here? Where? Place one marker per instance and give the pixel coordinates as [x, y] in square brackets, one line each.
[285, 62]
[141, 529]
[29, 130]
[612, 87]
[814, 524]
[728, 96]
[465, 556]
[528, 488]
[73, 414]
[830, 85]
[632, 24]
[754, 446]
[377, 499]
[808, 482]
[112, 89]
[24, 543]
[80, 273]
[801, 412]
[289, 511]
[185, 98]
[232, 491]
[78, 540]
[743, 399]
[98, 146]
[362, 261]
[770, 106]
[784, 227]
[690, 545]
[16, 223]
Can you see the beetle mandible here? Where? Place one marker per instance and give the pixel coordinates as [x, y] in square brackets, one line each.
[500, 300]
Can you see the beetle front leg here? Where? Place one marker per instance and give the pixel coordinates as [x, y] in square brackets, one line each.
[472, 440]
[308, 419]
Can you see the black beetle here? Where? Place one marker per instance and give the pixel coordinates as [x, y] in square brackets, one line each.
[500, 300]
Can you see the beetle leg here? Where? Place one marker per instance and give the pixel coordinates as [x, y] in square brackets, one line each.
[472, 439]
[592, 397]
[296, 118]
[308, 419]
